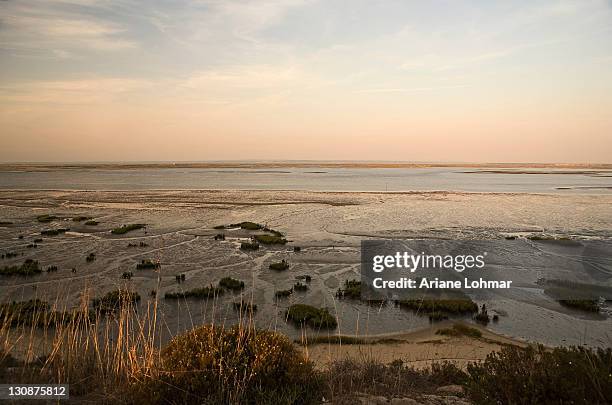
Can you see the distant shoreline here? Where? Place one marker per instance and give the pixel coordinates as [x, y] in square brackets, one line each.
[4, 167]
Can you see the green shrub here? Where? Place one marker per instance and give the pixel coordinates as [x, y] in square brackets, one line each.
[279, 266]
[535, 375]
[28, 268]
[231, 284]
[214, 365]
[302, 314]
[91, 223]
[201, 293]
[127, 228]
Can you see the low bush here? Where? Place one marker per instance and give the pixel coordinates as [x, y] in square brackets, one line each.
[214, 365]
[231, 284]
[80, 218]
[90, 257]
[536, 375]
[91, 223]
[127, 275]
[302, 314]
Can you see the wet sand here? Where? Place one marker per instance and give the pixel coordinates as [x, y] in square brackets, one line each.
[418, 349]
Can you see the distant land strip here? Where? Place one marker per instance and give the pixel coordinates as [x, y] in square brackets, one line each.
[297, 164]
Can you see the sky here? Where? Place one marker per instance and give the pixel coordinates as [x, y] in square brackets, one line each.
[422, 81]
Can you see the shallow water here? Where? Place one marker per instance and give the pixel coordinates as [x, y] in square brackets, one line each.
[328, 226]
[315, 179]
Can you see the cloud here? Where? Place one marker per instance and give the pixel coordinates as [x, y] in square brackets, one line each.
[35, 27]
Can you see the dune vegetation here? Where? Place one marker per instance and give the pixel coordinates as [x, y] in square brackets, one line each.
[120, 359]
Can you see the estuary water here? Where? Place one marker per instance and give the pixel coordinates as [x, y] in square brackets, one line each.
[315, 179]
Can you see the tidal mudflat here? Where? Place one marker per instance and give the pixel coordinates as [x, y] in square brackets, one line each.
[165, 243]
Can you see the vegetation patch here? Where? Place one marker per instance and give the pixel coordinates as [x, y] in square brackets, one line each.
[91, 223]
[270, 239]
[302, 314]
[146, 264]
[127, 275]
[581, 296]
[127, 228]
[46, 218]
[299, 286]
[54, 232]
[279, 266]
[201, 293]
[440, 304]
[115, 300]
[249, 246]
[460, 329]
[28, 268]
[234, 366]
[283, 293]
[352, 290]
[231, 284]
[80, 219]
[38, 313]
[536, 375]
[90, 257]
